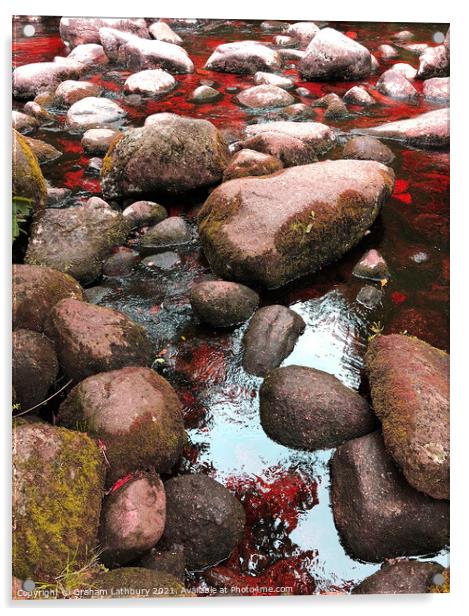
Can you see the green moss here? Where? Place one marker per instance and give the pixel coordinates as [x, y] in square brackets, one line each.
[108, 161]
[123, 583]
[27, 180]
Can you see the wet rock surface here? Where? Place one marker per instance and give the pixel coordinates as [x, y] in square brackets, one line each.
[27, 178]
[371, 266]
[169, 233]
[98, 140]
[409, 382]
[368, 148]
[223, 304]
[263, 96]
[437, 89]
[69, 91]
[142, 213]
[395, 85]
[250, 162]
[138, 582]
[243, 57]
[150, 82]
[92, 112]
[170, 561]
[400, 577]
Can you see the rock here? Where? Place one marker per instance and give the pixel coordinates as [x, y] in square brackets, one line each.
[69, 92]
[406, 70]
[305, 408]
[297, 112]
[272, 25]
[132, 519]
[137, 583]
[367, 148]
[262, 97]
[261, 78]
[303, 92]
[23, 123]
[57, 196]
[169, 233]
[162, 32]
[58, 480]
[403, 35]
[284, 41]
[44, 152]
[76, 240]
[36, 290]
[358, 95]
[27, 178]
[336, 110]
[446, 42]
[150, 82]
[429, 129]
[37, 111]
[370, 297]
[315, 214]
[170, 561]
[291, 54]
[437, 89]
[303, 32]
[30, 80]
[205, 94]
[97, 203]
[374, 64]
[395, 85]
[387, 51]
[243, 57]
[89, 54]
[223, 304]
[249, 162]
[203, 517]
[121, 263]
[90, 339]
[143, 213]
[333, 56]
[270, 338]
[399, 577]
[92, 112]
[94, 166]
[79, 30]
[163, 260]
[34, 369]
[416, 48]
[140, 53]
[170, 154]
[372, 266]
[409, 381]
[377, 513]
[98, 140]
[434, 62]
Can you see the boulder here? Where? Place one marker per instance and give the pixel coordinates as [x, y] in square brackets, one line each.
[205, 94]
[399, 577]
[92, 112]
[163, 261]
[170, 561]
[395, 85]
[36, 290]
[143, 213]
[429, 129]
[120, 263]
[377, 513]
[30, 80]
[434, 62]
[58, 481]
[270, 338]
[315, 214]
[69, 92]
[89, 54]
[249, 162]
[57, 196]
[169, 233]
[271, 79]
[23, 123]
[132, 519]
[76, 240]
[34, 367]
[44, 152]
[409, 382]
[387, 51]
[243, 57]
[140, 53]
[27, 179]
[406, 70]
[264, 96]
[98, 140]
[358, 95]
[309, 409]
[203, 517]
[90, 339]
[303, 32]
[170, 154]
[134, 412]
[332, 56]
[137, 583]
[223, 304]
[437, 89]
[367, 148]
[79, 30]
[150, 82]
[162, 32]
[372, 266]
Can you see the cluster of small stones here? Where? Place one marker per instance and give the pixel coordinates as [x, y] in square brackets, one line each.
[121, 426]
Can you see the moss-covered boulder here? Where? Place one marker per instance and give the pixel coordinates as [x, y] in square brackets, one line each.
[136, 414]
[409, 381]
[273, 229]
[27, 178]
[58, 480]
[90, 339]
[135, 583]
[170, 154]
[36, 290]
[76, 240]
[400, 577]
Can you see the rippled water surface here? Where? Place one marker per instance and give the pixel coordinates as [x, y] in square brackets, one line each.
[290, 537]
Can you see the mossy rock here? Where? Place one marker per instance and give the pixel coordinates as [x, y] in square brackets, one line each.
[136, 582]
[27, 178]
[58, 480]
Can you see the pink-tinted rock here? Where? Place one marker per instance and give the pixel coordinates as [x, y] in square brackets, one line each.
[368, 148]
[437, 89]
[303, 32]
[120, 263]
[243, 57]
[387, 51]
[262, 78]
[92, 112]
[89, 55]
[69, 92]
[37, 111]
[403, 35]
[223, 304]
[23, 123]
[98, 140]
[434, 62]
[143, 213]
[31, 79]
[358, 95]
[400, 577]
[162, 32]
[80, 30]
[371, 266]
[261, 97]
[150, 82]
[249, 162]
[406, 70]
[205, 94]
[395, 85]
[44, 152]
[169, 233]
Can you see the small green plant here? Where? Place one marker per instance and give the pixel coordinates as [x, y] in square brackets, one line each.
[376, 329]
[21, 210]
